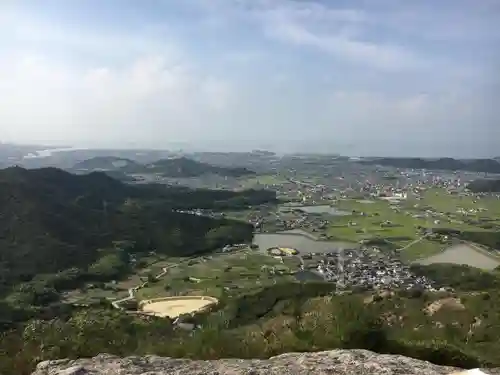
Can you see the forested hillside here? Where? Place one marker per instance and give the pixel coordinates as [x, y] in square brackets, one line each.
[51, 220]
[444, 328]
[485, 186]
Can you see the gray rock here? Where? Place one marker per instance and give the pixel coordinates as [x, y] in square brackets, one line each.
[335, 362]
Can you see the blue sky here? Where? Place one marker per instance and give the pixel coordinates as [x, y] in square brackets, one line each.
[360, 77]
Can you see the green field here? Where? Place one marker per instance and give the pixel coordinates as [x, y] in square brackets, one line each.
[369, 220]
[439, 199]
[214, 275]
[218, 274]
[422, 249]
[152, 265]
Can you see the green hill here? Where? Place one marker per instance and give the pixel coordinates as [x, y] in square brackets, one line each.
[458, 329]
[51, 220]
[184, 167]
[175, 167]
[105, 163]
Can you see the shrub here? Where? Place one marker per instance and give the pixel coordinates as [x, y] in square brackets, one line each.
[438, 352]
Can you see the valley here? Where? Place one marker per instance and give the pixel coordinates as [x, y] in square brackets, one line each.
[251, 265]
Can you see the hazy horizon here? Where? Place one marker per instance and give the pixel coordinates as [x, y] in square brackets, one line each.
[384, 78]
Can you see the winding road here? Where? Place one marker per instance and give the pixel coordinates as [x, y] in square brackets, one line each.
[412, 243]
[131, 291]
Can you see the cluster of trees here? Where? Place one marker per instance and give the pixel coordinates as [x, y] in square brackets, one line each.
[52, 221]
[185, 198]
[449, 164]
[459, 277]
[488, 238]
[484, 186]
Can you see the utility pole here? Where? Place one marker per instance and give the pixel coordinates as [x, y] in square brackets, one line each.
[340, 268]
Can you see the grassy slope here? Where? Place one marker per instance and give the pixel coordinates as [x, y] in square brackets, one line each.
[405, 318]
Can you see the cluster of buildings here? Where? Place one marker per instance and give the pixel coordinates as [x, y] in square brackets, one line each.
[234, 247]
[286, 219]
[282, 251]
[370, 270]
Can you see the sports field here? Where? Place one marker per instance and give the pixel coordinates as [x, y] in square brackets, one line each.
[173, 307]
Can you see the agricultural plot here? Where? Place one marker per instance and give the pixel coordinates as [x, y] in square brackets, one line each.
[90, 293]
[422, 249]
[487, 207]
[398, 223]
[219, 274]
[211, 275]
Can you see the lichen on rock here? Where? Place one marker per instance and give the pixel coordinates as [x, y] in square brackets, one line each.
[334, 362]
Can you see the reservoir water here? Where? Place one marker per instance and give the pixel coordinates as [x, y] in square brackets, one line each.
[464, 254]
[308, 276]
[300, 240]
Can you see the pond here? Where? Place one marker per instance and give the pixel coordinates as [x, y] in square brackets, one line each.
[309, 276]
[463, 254]
[320, 209]
[299, 240]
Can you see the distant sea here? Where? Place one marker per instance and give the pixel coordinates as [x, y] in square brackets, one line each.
[46, 153]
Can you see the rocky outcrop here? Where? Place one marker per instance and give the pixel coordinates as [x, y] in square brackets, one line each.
[335, 362]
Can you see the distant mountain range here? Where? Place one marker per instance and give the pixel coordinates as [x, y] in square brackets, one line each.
[174, 167]
[450, 164]
[105, 163]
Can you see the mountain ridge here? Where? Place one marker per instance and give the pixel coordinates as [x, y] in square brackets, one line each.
[51, 214]
[170, 167]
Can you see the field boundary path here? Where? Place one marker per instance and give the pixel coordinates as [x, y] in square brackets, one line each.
[414, 242]
[131, 291]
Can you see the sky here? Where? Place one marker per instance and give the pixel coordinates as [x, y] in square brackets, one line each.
[357, 77]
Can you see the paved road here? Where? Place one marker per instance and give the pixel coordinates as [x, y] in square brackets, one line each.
[412, 243]
[131, 291]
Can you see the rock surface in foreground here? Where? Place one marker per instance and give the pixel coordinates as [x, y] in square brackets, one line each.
[335, 362]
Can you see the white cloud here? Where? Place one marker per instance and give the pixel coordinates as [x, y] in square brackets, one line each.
[340, 45]
[37, 33]
[147, 100]
[335, 31]
[236, 82]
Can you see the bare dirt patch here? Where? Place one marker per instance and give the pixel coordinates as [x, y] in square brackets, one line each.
[446, 303]
[385, 294]
[172, 307]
